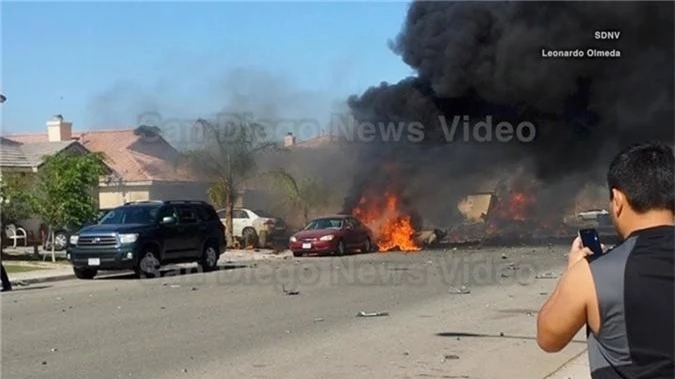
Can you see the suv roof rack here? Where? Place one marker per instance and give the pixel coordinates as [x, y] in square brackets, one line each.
[185, 202]
[166, 202]
[144, 202]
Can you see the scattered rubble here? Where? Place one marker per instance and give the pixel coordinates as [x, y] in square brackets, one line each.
[460, 291]
[289, 292]
[429, 238]
[449, 357]
[372, 314]
[546, 275]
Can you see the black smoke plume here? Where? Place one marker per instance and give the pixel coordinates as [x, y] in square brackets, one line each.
[480, 59]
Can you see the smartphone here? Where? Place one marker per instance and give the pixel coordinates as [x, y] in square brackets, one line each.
[591, 240]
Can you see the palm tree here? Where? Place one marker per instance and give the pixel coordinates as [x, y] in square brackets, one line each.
[306, 194]
[228, 160]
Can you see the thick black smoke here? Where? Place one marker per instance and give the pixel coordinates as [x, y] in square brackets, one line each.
[480, 59]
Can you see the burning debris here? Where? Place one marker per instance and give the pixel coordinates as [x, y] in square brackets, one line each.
[393, 228]
[477, 60]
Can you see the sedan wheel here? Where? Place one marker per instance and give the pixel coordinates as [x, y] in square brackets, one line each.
[340, 248]
[61, 240]
[367, 247]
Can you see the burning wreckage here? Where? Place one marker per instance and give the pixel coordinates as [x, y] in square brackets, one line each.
[502, 217]
[478, 59]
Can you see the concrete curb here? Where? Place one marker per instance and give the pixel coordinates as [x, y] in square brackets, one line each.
[46, 279]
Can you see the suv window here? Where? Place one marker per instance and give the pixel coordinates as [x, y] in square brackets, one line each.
[207, 213]
[167, 212]
[186, 215]
[134, 214]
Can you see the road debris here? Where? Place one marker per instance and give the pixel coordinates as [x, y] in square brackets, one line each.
[450, 357]
[372, 314]
[318, 319]
[460, 291]
[289, 292]
[546, 275]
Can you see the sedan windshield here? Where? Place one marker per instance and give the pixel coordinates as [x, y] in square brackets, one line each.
[325, 223]
[130, 215]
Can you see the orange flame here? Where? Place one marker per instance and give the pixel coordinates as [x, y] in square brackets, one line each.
[392, 229]
[520, 208]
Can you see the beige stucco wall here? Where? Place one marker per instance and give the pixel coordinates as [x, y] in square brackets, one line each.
[113, 196]
[179, 191]
[110, 197]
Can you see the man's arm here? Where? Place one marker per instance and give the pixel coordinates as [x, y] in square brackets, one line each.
[565, 312]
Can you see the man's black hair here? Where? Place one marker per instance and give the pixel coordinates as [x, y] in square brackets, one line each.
[644, 173]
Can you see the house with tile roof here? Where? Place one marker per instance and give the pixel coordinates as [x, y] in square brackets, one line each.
[143, 165]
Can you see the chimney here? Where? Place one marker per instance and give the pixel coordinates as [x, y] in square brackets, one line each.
[59, 130]
[289, 140]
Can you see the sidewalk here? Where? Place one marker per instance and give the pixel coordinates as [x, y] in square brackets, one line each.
[50, 272]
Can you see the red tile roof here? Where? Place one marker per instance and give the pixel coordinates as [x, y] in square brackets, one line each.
[128, 154]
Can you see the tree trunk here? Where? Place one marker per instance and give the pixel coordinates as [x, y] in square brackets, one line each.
[53, 239]
[53, 246]
[229, 208]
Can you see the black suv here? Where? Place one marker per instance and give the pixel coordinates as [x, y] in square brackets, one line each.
[142, 236]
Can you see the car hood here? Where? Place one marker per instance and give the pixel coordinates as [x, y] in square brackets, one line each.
[113, 228]
[315, 233]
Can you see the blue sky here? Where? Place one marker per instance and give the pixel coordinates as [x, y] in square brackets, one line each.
[103, 64]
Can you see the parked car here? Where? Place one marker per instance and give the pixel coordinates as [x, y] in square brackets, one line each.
[248, 224]
[338, 234]
[592, 214]
[143, 236]
[62, 234]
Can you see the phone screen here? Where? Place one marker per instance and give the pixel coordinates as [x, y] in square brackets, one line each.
[591, 240]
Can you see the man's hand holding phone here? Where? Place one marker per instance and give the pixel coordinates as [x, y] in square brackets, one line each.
[583, 247]
[577, 252]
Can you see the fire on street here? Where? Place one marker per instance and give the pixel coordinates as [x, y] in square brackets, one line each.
[440, 313]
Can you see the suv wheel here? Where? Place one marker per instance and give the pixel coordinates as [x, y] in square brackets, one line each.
[85, 273]
[210, 257]
[148, 265]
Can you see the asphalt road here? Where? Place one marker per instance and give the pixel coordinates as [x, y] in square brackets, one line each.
[294, 318]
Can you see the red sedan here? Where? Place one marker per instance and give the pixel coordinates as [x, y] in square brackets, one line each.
[334, 234]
